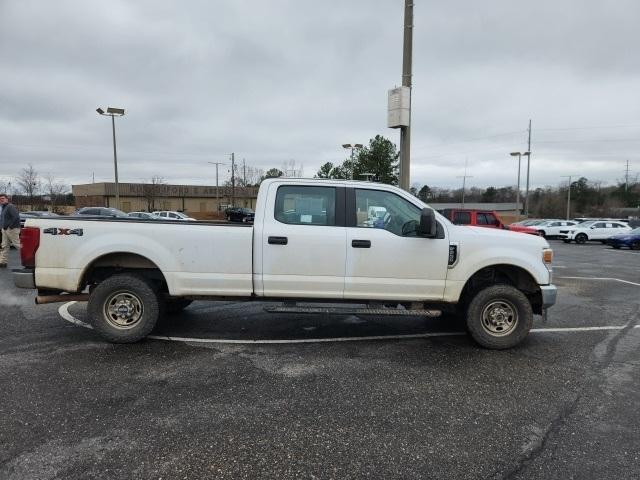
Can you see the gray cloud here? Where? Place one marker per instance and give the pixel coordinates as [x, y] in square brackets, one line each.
[284, 80]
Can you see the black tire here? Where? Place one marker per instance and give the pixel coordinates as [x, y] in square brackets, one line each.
[175, 305]
[543, 233]
[617, 247]
[501, 301]
[635, 245]
[566, 241]
[132, 295]
[581, 238]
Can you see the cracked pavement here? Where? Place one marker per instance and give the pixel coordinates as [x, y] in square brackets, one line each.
[562, 405]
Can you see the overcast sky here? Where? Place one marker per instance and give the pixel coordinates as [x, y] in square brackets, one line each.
[281, 79]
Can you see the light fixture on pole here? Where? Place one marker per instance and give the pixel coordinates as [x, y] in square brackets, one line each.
[114, 112]
[352, 147]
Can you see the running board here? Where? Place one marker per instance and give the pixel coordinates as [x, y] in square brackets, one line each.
[353, 311]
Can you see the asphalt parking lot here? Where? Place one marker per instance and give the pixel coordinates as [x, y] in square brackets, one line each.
[204, 399]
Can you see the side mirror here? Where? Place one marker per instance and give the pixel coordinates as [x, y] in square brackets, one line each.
[428, 224]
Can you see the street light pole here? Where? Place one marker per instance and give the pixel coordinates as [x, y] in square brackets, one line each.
[568, 196]
[519, 155]
[114, 112]
[352, 147]
[217, 189]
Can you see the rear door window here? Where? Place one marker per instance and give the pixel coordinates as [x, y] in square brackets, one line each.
[306, 205]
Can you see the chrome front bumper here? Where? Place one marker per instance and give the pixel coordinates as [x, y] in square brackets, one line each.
[549, 295]
[24, 278]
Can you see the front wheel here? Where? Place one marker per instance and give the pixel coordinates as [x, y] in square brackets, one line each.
[635, 245]
[543, 233]
[499, 317]
[123, 308]
[581, 239]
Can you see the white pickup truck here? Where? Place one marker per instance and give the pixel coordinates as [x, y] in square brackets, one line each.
[312, 241]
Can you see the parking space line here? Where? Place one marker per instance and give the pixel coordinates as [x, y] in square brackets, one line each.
[64, 313]
[603, 278]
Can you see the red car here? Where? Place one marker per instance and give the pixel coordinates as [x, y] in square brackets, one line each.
[483, 218]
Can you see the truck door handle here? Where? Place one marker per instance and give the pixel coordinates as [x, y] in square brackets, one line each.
[278, 240]
[361, 243]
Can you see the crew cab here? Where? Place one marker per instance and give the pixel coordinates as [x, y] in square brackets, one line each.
[312, 241]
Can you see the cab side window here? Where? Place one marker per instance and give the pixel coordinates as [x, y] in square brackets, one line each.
[462, 218]
[302, 205]
[387, 211]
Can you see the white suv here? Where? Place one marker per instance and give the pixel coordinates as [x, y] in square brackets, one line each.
[551, 228]
[595, 230]
[171, 215]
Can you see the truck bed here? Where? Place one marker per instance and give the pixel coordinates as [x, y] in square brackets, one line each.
[202, 258]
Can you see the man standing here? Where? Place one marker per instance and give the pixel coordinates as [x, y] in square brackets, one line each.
[10, 224]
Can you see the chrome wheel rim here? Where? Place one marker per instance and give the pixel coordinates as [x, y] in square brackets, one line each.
[499, 318]
[123, 310]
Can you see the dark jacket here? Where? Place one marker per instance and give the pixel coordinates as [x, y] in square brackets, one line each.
[10, 217]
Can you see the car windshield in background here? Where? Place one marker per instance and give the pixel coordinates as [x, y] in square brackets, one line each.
[586, 224]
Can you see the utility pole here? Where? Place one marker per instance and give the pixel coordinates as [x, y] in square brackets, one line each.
[233, 179]
[568, 196]
[526, 198]
[244, 173]
[519, 155]
[626, 178]
[405, 132]
[464, 180]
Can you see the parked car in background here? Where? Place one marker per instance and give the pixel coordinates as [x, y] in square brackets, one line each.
[101, 212]
[594, 230]
[239, 214]
[35, 214]
[482, 218]
[143, 216]
[173, 215]
[552, 228]
[629, 239]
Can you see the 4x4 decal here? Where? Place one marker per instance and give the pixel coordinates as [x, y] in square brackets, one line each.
[63, 231]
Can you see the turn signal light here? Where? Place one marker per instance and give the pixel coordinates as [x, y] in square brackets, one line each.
[547, 256]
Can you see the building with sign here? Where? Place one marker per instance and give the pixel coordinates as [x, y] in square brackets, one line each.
[198, 201]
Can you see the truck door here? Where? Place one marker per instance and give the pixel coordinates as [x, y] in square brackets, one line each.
[385, 258]
[304, 242]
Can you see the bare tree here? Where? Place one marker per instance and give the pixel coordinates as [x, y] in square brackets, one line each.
[55, 190]
[4, 186]
[152, 191]
[29, 182]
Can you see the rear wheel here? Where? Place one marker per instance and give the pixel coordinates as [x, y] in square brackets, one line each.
[499, 317]
[635, 245]
[124, 308]
[542, 233]
[617, 247]
[581, 238]
[566, 241]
